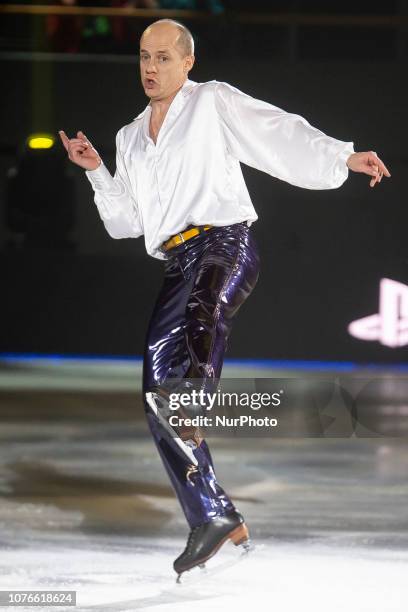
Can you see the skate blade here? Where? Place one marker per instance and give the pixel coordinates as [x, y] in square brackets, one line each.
[211, 568]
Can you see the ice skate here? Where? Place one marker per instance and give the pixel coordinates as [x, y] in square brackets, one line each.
[206, 539]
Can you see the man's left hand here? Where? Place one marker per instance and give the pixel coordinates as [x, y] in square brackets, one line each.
[370, 164]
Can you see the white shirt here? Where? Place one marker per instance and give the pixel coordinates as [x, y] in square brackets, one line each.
[193, 174]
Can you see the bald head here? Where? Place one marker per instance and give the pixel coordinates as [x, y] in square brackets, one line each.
[166, 57]
[184, 40]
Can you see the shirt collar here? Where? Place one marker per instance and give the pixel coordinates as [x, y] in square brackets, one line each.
[185, 89]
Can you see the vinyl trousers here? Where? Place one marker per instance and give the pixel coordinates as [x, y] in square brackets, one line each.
[206, 280]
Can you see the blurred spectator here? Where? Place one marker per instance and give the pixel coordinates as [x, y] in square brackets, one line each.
[73, 33]
[96, 31]
[90, 33]
[127, 31]
[64, 32]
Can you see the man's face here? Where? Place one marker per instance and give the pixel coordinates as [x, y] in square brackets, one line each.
[163, 70]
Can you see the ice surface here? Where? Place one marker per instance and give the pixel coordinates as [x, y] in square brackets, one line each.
[85, 505]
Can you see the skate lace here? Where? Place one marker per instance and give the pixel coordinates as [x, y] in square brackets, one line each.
[191, 537]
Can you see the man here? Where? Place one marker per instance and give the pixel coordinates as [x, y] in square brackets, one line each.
[178, 182]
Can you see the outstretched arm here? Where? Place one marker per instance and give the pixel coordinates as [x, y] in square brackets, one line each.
[284, 144]
[113, 195]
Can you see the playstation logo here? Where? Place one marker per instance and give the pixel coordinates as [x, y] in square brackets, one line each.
[390, 325]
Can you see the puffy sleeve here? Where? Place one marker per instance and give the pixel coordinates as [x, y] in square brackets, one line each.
[114, 197]
[282, 144]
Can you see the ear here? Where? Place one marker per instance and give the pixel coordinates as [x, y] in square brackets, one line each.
[189, 63]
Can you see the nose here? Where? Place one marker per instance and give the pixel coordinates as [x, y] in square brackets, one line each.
[150, 66]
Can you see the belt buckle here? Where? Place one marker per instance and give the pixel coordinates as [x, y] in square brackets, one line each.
[181, 236]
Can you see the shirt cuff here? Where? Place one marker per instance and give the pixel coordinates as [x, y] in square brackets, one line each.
[100, 178]
[345, 154]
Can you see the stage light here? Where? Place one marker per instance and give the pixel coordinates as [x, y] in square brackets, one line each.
[40, 141]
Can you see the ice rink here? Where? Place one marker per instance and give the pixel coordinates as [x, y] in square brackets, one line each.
[85, 505]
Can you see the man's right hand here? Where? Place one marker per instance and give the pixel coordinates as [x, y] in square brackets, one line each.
[80, 151]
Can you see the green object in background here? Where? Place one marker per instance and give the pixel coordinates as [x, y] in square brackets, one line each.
[97, 26]
[214, 6]
[178, 4]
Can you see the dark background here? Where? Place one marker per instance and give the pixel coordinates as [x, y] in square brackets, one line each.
[323, 253]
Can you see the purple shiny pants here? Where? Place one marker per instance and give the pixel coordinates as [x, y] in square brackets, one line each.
[206, 279]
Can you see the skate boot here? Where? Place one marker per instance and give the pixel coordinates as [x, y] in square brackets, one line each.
[204, 540]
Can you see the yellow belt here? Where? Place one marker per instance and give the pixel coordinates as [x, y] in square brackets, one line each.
[183, 236]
